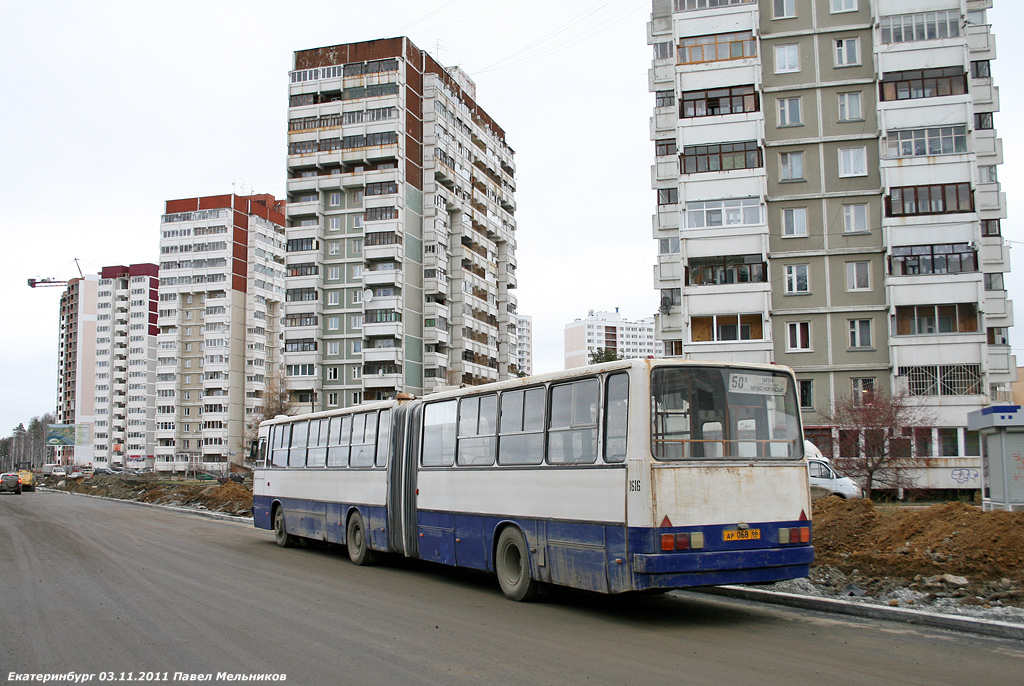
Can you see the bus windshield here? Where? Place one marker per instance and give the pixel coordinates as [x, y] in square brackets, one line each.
[722, 413]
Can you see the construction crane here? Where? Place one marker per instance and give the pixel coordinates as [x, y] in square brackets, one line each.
[48, 282]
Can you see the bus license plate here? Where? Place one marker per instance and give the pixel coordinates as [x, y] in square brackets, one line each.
[741, 535]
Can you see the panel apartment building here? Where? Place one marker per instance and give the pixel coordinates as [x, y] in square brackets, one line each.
[612, 333]
[827, 198]
[401, 234]
[222, 280]
[106, 366]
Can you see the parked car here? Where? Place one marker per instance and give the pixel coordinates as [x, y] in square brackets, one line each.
[10, 483]
[58, 471]
[825, 480]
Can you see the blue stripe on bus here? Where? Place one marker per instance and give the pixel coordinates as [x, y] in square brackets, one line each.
[606, 558]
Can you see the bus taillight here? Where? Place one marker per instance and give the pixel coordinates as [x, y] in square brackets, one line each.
[683, 541]
[797, 534]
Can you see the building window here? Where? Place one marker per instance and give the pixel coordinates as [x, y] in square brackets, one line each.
[796, 279]
[668, 196]
[923, 83]
[733, 212]
[332, 399]
[668, 246]
[664, 99]
[991, 227]
[843, 6]
[849, 107]
[853, 162]
[721, 46]
[863, 390]
[944, 379]
[707, 103]
[666, 146]
[789, 112]
[332, 373]
[787, 58]
[981, 69]
[906, 28]
[847, 52]
[334, 199]
[798, 336]
[731, 269]
[333, 297]
[855, 218]
[671, 297]
[333, 347]
[794, 221]
[988, 174]
[791, 166]
[357, 271]
[723, 157]
[684, 5]
[334, 223]
[860, 333]
[998, 335]
[726, 327]
[936, 140]
[994, 282]
[945, 258]
[858, 276]
[983, 121]
[783, 9]
[938, 199]
[925, 320]
[806, 394]
[662, 51]
[333, 323]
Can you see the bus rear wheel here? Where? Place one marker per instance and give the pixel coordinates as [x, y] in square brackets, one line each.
[355, 538]
[281, 535]
[512, 563]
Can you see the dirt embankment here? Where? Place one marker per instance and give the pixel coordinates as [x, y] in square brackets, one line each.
[229, 497]
[949, 550]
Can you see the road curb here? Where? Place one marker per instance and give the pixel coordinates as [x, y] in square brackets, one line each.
[891, 614]
[209, 514]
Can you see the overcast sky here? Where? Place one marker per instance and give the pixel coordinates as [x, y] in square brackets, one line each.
[112, 107]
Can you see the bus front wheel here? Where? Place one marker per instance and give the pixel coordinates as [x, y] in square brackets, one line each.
[512, 563]
[281, 535]
[355, 539]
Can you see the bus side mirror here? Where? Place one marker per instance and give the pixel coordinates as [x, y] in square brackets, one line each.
[254, 449]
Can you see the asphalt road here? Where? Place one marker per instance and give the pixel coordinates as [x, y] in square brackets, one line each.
[102, 588]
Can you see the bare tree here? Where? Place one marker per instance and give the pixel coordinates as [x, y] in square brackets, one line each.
[276, 401]
[876, 438]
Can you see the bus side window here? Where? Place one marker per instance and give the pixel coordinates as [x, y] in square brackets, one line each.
[439, 434]
[364, 433]
[572, 430]
[383, 438]
[615, 417]
[297, 452]
[281, 438]
[317, 443]
[337, 441]
[477, 422]
[521, 427]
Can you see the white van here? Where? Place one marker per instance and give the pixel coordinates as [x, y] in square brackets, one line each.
[825, 480]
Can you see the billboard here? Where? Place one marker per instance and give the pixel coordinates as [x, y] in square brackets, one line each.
[67, 434]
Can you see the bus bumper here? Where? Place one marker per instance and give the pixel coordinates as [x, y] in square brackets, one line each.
[713, 562]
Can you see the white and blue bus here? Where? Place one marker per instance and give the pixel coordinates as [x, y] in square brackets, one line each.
[625, 476]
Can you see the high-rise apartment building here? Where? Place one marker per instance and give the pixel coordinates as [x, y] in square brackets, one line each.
[524, 332]
[76, 360]
[611, 333]
[827, 198]
[222, 279]
[401, 234]
[125, 367]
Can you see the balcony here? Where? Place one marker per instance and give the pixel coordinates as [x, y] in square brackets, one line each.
[383, 277]
[381, 381]
[382, 354]
[382, 330]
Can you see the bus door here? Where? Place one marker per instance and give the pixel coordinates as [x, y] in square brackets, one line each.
[402, 536]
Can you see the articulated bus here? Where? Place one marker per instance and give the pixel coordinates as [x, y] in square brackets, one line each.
[625, 476]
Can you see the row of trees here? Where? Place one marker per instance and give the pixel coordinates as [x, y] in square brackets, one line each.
[27, 444]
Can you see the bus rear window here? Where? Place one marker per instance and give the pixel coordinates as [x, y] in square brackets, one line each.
[723, 413]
